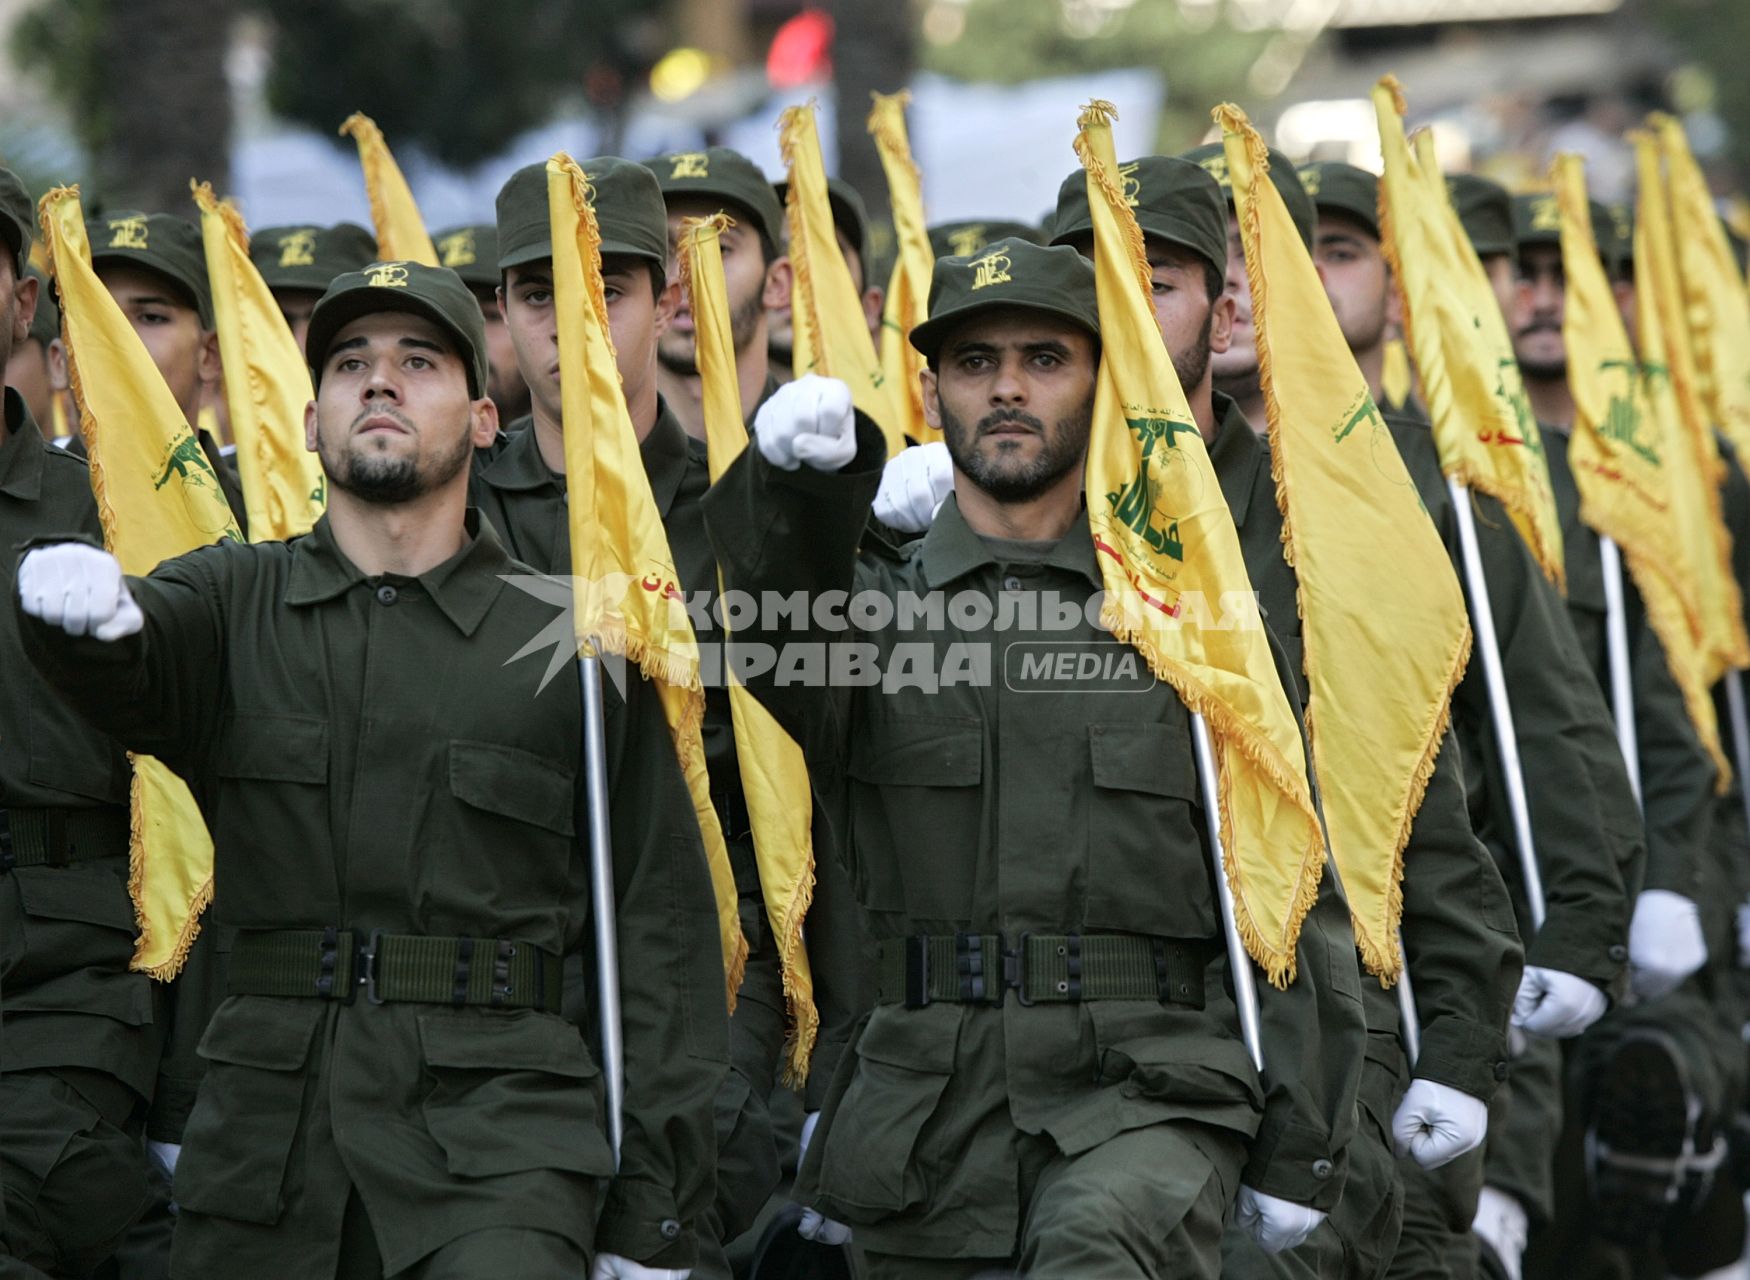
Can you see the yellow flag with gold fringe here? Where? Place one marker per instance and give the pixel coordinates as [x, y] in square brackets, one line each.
[1716, 304]
[157, 497]
[908, 289]
[267, 383]
[628, 594]
[401, 233]
[1483, 425]
[1379, 678]
[774, 775]
[1169, 555]
[829, 335]
[1668, 374]
[1395, 380]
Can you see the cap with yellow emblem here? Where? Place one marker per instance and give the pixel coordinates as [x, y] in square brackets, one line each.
[1213, 158]
[437, 293]
[471, 252]
[628, 209]
[161, 243]
[721, 174]
[1485, 210]
[1013, 274]
[1173, 199]
[17, 218]
[1537, 219]
[1343, 189]
[969, 235]
[305, 256]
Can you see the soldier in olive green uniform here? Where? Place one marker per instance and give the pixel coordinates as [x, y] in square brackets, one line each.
[299, 262]
[1036, 835]
[756, 272]
[472, 253]
[519, 486]
[850, 226]
[389, 1088]
[37, 363]
[79, 1050]
[1462, 948]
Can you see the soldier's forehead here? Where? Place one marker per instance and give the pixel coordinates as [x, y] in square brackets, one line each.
[135, 281]
[1014, 327]
[392, 326]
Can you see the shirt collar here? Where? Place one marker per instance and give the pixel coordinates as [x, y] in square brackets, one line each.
[21, 451]
[1236, 453]
[519, 465]
[463, 587]
[951, 550]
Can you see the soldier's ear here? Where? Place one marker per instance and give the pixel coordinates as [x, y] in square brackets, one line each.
[212, 368]
[1221, 323]
[779, 278]
[932, 398]
[483, 422]
[25, 294]
[310, 427]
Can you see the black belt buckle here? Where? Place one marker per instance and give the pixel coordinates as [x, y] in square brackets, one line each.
[1015, 970]
[368, 966]
[917, 971]
[969, 968]
[327, 961]
[1073, 968]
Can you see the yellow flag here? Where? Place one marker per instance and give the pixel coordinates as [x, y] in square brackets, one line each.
[829, 333]
[1170, 562]
[628, 595]
[1668, 370]
[1483, 425]
[267, 383]
[1623, 462]
[1380, 678]
[908, 289]
[774, 776]
[401, 234]
[1394, 378]
[157, 497]
[1715, 302]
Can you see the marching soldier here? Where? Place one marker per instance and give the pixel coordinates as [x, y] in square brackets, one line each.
[1050, 1078]
[389, 1088]
[38, 367]
[472, 253]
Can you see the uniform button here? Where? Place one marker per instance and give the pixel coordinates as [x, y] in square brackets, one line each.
[1322, 1169]
[670, 1229]
[1501, 1070]
[1011, 583]
[387, 594]
[1618, 952]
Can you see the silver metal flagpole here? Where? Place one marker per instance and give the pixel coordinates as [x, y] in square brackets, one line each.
[1622, 696]
[601, 887]
[1483, 618]
[1408, 1019]
[1245, 988]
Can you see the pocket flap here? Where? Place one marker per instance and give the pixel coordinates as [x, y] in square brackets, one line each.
[70, 893]
[522, 1041]
[1142, 755]
[916, 1039]
[272, 1034]
[513, 784]
[920, 751]
[274, 748]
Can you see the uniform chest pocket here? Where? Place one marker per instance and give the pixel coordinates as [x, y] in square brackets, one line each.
[1147, 867]
[274, 748]
[917, 806]
[69, 948]
[513, 783]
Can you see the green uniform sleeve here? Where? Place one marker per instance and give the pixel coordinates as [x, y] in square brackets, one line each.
[1677, 774]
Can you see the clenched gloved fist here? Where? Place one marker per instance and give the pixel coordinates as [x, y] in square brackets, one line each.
[1275, 1224]
[914, 484]
[1556, 1004]
[1665, 943]
[1502, 1222]
[78, 589]
[816, 1226]
[1436, 1123]
[611, 1266]
[808, 421]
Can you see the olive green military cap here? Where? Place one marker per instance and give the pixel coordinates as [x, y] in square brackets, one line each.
[17, 217]
[472, 253]
[719, 173]
[437, 293]
[1537, 219]
[1174, 200]
[849, 214]
[309, 257]
[161, 243]
[1014, 273]
[1485, 210]
[969, 235]
[45, 326]
[1213, 157]
[628, 211]
[1622, 237]
[1341, 188]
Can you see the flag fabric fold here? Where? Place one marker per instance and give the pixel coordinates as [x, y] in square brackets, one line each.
[1170, 559]
[830, 336]
[267, 383]
[1385, 630]
[1484, 429]
[628, 600]
[774, 775]
[157, 497]
[908, 289]
[401, 233]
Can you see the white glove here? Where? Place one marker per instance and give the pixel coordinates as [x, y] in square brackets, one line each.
[816, 1226]
[1436, 1123]
[1665, 944]
[1556, 1004]
[1501, 1221]
[809, 420]
[1275, 1224]
[914, 484]
[611, 1266]
[163, 1156]
[78, 589]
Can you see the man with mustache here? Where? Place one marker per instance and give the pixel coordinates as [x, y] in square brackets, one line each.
[396, 809]
[1050, 1079]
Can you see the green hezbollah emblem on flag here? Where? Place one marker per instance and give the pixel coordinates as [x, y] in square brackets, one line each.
[187, 461]
[1136, 503]
[1363, 410]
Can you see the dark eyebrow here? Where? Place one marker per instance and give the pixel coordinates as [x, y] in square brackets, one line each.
[154, 300]
[1049, 346]
[360, 341]
[1337, 237]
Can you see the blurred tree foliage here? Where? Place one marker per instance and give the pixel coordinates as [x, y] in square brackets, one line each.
[1715, 35]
